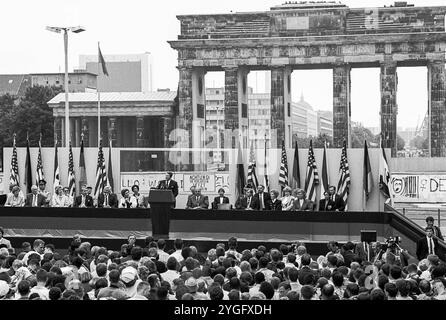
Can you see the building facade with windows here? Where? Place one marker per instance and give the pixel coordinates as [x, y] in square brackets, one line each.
[78, 81]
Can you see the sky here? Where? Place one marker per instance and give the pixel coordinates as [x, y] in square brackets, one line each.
[137, 26]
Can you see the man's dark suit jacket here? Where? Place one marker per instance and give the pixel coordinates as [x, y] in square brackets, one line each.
[242, 203]
[338, 203]
[266, 199]
[172, 185]
[360, 252]
[112, 200]
[349, 257]
[216, 201]
[202, 202]
[274, 206]
[88, 201]
[423, 248]
[307, 205]
[323, 207]
[41, 200]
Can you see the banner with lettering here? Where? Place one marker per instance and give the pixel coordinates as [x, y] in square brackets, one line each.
[414, 187]
[209, 182]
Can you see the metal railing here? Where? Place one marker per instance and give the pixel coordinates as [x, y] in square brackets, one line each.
[417, 214]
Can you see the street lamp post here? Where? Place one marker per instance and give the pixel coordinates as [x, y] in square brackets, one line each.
[77, 29]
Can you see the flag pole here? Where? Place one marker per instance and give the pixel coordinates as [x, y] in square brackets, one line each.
[99, 100]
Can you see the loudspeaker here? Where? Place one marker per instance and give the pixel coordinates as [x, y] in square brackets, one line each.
[368, 236]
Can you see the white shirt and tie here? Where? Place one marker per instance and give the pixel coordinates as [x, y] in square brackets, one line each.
[249, 202]
[367, 250]
[430, 245]
[221, 200]
[262, 202]
[34, 204]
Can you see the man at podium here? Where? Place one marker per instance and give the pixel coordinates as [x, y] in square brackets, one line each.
[169, 183]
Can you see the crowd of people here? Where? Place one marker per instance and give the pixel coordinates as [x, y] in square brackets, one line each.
[251, 199]
[152, 272]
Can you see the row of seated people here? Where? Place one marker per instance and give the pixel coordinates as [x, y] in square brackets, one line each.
[39, 197]
[290, 201]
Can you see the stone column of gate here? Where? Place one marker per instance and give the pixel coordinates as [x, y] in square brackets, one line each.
[198, 118]
[437, 107]
[139, 131]
[281, 130]
[112, 134]
[168, 129]
[85, 130]
[183, 132]
[389, 109]
[341, 104]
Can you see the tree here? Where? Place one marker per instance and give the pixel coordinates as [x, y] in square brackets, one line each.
[320, 140]
[32, 115]
[419, 142]
[400, 143]
[359, 134]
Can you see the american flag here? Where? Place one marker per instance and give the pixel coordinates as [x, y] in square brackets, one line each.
[283, 172]
[101, 174]
[312, 178]
[56, 169]
[14, 177]
[344, 176]
[252, 177]
[39, 169]
[325, 178]
[71, 176]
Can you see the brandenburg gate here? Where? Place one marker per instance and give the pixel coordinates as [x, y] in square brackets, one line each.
[311, 35]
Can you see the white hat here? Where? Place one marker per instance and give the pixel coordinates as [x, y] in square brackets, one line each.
[4, 288]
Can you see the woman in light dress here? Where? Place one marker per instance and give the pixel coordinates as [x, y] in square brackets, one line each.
[287, 199]
[15, 198]
[127, 200]
[59, 199]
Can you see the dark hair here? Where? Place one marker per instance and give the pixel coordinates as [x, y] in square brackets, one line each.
[395, 272]
[101, 269]
[23, 287]
[136, 253]
[382, 281]
[391, 289]
[327, 290]
[215, 292]
[259, 277]
[338, 279]
[178, 244]
[293, 274]
[267, 289]
[123, 191]
[232, 243]
[54, 293]
[307, 292]
[234, 295]
[161, 244]
[430, 219]
[135, 186]
[221, 189]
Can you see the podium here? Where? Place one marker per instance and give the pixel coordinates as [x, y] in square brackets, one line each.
[161, 202]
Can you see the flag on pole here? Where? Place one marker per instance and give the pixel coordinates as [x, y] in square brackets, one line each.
[39, 169]
[384, 176]
[71, 176]
[265, 173]
[312, 177]
[344, 176]
[28, 170]
[252, 177]
[296, 170]
[240, 174]
[325, 179]
[367, 173]
[14, 171]
[101, 174]
[102, 61]
[110, 181]
[283, 172]
[82, 170]
[56, 182]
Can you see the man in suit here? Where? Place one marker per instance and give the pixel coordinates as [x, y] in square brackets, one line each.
[35, 199]
[427, 245]
[365, 251]
[348, 254]
[107, 199]
[84, 200]
[302, 204]
[220, 199]
[248, 202]
[437, 232]
[43, 192]
[262, 198]
[339, 204]
[326, 204]
[169, 183]
[196, 200]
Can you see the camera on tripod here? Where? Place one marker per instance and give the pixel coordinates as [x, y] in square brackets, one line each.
[391, 243]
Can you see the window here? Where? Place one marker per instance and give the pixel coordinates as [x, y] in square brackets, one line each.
[259, 102]
[80, 80]
[200, 111]
[289, 109]
[244, 110]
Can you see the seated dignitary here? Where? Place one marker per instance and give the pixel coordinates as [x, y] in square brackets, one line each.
[84, 200]
[339, 204]
[326, 204]
[42, 190]
[302, 204]
[287, 200]
[59, 200]
[220, 199]
[197, 200]
[262, 198]
[35, 199]
[15, 198]
[274, 203]
[70, 199]
[127, 200]
[139, 197]
[107, 199]
[248, 202]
